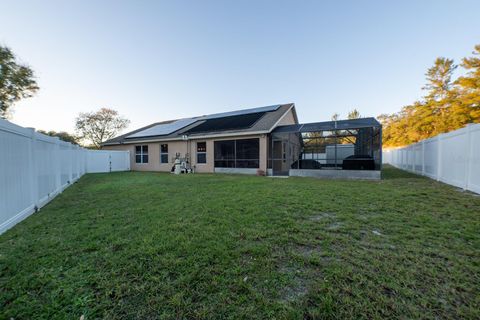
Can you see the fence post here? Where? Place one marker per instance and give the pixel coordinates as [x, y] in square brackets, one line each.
[70, 164]
[423, 157]
[84, 161]
[33, 169]
[58, 166]
[468, 161]
[410, 155]
[439, 157]
[85, 164]
[77, 161]
[412, 158]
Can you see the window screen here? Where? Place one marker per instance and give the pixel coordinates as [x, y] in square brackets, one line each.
[224, 154]
[237, 153]
[247, 153]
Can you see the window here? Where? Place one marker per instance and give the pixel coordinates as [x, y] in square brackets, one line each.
[237, 153]
[164, 153]
[201, 152]
[141, 154]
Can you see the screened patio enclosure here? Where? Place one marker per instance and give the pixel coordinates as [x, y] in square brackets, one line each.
[326, 148]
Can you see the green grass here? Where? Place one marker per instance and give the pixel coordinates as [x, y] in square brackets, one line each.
[153, 245]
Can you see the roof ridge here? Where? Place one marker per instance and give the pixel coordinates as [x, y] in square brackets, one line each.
[176, 126]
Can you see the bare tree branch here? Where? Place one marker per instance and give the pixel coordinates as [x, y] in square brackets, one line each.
[97, 127]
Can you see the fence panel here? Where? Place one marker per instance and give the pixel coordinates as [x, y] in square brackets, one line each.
[411, 158]
[473, 171]
[430, 158]
[453, 158]
[16, 172]
[45, 166]
[64, 163]
[417, 158]
[453, 155]
[120, 160]
[108, 161]
[34, 168]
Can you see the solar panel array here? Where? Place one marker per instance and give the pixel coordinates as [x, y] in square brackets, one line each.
[235, 122]
[240, 112]
[223, 121]
[163, 129]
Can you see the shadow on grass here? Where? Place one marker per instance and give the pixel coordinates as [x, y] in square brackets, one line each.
[389, 172]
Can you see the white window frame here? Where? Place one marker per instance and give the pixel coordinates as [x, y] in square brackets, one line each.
[141, 153]
[202, 152]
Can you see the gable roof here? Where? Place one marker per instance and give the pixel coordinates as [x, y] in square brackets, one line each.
[246, 121]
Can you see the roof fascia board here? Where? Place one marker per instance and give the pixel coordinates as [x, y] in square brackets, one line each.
[220, 135]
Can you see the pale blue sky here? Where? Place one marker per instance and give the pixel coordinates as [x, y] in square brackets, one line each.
[154, 60]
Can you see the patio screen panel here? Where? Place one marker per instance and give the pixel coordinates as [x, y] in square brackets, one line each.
[242, 153]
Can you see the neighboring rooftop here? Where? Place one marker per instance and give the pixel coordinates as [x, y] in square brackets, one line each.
[254, 120]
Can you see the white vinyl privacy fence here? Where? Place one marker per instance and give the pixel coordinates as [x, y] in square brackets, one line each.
[453, 158]
[34, 168]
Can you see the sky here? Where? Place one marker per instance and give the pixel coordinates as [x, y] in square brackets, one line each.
[161, 60]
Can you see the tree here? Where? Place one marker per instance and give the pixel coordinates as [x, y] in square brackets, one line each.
[100, 126]
[64, 136]
[17, 81]
[448, 105]
[439, 79]
[467, 92]
[335, 117]
[354, 114]
[438, 101]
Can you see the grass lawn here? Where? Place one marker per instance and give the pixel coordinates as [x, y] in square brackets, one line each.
[154, 245]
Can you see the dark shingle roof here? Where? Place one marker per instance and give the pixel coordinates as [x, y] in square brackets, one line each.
[242, 121]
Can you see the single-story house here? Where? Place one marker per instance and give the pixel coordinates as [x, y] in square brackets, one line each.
[269, 139]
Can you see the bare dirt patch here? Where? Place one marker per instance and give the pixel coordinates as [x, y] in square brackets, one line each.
[322, 216]
[308, 251]
[335, 226]
[297, 286]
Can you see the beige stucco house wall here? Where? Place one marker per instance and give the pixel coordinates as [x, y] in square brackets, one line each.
[190, 146]
[288, 118]
[184, 147]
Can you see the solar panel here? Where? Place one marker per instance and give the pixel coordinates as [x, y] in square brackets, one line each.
[163, 129]
[240, 112]
[224, 123]
[233, 122]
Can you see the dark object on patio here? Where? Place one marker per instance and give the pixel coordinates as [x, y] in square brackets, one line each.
[260, 172]
[306, 164]
[358, 162]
